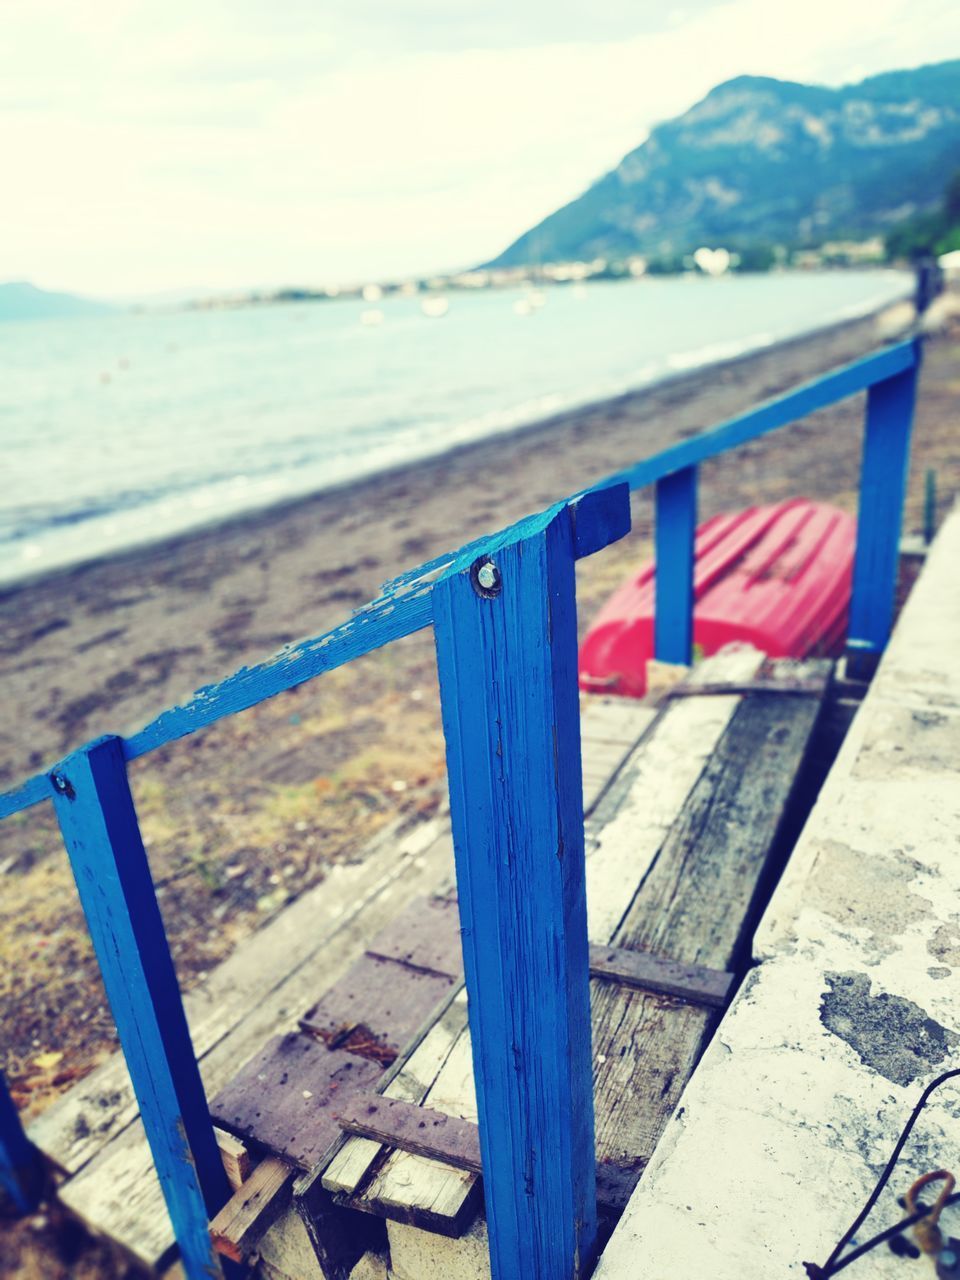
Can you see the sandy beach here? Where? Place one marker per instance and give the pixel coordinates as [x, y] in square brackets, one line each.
[243, 817]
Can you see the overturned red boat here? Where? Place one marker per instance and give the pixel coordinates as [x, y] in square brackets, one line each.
[777, 577]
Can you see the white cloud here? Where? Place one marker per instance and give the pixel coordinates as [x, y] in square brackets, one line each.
[149, 146]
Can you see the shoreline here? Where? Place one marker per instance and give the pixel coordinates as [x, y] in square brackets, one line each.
[103, 646]
[358, 484]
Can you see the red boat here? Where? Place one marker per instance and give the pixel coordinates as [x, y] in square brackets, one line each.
[776, 577]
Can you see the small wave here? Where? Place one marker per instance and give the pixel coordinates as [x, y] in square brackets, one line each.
[714, 352]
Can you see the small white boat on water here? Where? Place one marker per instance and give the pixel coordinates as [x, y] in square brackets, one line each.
[434, 305]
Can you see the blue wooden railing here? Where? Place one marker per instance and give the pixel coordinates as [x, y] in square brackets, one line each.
[503, 610]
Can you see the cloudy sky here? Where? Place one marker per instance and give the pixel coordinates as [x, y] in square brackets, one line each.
[153, 145]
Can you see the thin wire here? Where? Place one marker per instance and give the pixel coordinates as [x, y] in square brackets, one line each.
[829, 1268]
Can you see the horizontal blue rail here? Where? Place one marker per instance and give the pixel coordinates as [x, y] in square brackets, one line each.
[503, 612]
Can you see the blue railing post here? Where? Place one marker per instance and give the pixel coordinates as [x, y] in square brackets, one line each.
[676, 516]
[99, 825]
[21, 1172]
[883, 480]
[506, 637]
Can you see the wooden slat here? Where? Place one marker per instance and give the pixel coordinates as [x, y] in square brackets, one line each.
[419, 1130]
[425, 936]
[237, 1160]
[411, 1083]
[282, 1098]
[425, 1132]
[376, 1006]
[627, 830]
[696, 903]
[253, 1208]
[695, 983]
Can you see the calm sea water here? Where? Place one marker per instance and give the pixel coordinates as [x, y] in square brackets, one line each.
[121, 429]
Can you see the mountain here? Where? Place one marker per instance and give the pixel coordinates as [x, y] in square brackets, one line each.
[20, 300]
[764, 161]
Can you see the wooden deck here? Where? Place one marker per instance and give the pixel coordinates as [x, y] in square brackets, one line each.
[357, 988]
[92, 1137]
[677, 851]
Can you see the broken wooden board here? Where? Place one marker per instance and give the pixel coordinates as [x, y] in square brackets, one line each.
[708, 856]
[237, 1161]
[375, 1008]
[411, 1083]
[425, 1132]
[82, 1123]
[117, 1194]
[282, 1098]
[253, 1208]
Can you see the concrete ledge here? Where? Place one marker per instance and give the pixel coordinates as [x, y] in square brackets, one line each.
[854, 1006]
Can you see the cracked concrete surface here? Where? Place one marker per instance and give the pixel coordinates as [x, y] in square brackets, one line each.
[850, 1011]
[891, 1034]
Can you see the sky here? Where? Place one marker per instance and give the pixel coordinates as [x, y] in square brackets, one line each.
[169, 145]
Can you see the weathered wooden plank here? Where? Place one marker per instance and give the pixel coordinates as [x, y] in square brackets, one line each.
[411, 1083]
[117, 1193]
[281, 1098]
[376, 1006]
[625, 833]
[695, 983]
[610, 728]
[252, 1209]
[423, 1131]
[76, 1128]
[694, 904]
[419, 1130]
[98, 821]
[426, 936]
[507, 659]
[446, 1200]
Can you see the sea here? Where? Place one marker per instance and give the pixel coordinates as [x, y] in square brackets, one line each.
[126, 427]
